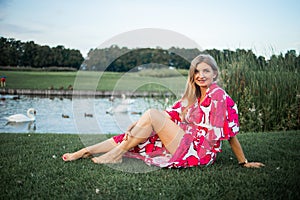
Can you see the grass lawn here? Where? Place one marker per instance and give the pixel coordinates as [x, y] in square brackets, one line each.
[31, 168]
[83, 80]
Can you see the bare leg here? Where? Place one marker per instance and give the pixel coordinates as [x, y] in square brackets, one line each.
[101, 147]
[169, 133]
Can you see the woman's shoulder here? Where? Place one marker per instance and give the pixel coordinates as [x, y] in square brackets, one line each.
[219, 94]
[216, 92]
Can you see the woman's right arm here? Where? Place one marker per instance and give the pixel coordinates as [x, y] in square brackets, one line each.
[238, 152]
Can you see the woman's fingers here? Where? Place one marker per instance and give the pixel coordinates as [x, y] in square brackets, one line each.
[254, 165]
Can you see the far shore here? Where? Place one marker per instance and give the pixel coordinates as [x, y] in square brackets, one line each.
[88, 93]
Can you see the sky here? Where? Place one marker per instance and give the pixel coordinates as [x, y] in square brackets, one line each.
[265, 26]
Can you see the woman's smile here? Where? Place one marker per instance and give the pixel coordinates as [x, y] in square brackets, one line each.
[204, 75]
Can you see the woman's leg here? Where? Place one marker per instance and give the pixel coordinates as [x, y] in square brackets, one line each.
[101, 147]
[169, 133]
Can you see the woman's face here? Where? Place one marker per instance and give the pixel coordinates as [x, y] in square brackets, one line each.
[204, 75]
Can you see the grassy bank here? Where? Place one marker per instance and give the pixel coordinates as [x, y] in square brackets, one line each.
[31, 168]
[107, 81]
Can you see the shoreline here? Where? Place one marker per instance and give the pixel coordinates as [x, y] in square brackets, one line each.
[85, 93]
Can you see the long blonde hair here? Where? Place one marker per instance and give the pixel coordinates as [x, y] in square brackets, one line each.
[192, 90]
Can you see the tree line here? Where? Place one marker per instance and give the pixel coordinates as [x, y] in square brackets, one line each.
[29, 54]
[123, 59]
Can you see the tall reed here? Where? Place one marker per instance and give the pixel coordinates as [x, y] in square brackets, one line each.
[267, 99]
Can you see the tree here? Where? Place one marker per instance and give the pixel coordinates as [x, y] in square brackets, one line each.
[16, 53]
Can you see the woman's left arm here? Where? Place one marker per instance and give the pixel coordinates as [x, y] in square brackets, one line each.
[238, 152]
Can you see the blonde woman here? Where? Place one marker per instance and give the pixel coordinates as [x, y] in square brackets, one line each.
[188, 134]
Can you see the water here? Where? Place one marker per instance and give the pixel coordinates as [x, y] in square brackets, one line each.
[50, 110]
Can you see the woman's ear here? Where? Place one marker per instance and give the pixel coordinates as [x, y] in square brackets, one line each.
[215, 75]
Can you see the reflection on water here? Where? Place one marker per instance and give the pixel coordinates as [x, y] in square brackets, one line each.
[25, 126]
[66, 115]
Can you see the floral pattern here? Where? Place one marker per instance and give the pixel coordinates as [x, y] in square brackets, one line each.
[206, 124]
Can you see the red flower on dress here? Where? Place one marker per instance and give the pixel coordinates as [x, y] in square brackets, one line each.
[173, 111]
[206, 159]
[192, 161]
[226, 131]
[153, 138]
[229, 101]
[176, 105]
[217, 144]
[206, 102]
[174, 116]
[149, 148]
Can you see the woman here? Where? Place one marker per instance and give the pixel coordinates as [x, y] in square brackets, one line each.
[188, 134]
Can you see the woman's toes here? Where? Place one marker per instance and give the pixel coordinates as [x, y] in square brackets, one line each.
[66, 157]
[76, 155]
[94, 160]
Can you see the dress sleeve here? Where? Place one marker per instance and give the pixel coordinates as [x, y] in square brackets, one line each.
[223, 116]
[231, 127]
[175, 111]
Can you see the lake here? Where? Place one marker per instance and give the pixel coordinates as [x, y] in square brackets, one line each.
[80, 115]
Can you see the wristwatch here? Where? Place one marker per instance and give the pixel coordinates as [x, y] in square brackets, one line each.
[243, 163]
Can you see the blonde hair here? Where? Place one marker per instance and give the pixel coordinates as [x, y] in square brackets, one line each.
[192, 90]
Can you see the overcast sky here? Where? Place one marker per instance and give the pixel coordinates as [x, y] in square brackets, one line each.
[265, 26]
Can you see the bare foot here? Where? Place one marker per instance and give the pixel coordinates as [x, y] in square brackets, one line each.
[112, 157]
[83, 153]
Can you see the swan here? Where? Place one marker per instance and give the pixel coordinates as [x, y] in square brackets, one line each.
[119, 109]
[122, 107]
[126, 101]
[23, 118]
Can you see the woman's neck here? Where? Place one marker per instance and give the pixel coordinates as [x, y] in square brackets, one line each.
[203, 91]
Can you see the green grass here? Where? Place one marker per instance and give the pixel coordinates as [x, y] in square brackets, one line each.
[106, 81]
[38, 80]
[31, 168]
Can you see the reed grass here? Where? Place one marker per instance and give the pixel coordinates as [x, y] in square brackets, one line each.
[267, 99]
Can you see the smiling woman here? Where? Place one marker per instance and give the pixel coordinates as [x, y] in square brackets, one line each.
[187, 134]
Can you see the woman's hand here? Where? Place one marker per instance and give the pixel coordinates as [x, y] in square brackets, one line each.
[128, 133]
[253, 165]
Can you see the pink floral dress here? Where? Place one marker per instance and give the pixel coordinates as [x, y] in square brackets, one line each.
[206, 124]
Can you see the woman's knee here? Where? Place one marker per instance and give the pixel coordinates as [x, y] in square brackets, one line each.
[152, 114]
[152, 111]
[154, 118]
[157, 119]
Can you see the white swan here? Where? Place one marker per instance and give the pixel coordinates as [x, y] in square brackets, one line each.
[126, 101]
[23, 118]
[122, 107]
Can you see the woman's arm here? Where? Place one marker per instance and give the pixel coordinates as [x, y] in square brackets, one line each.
[238, 152]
